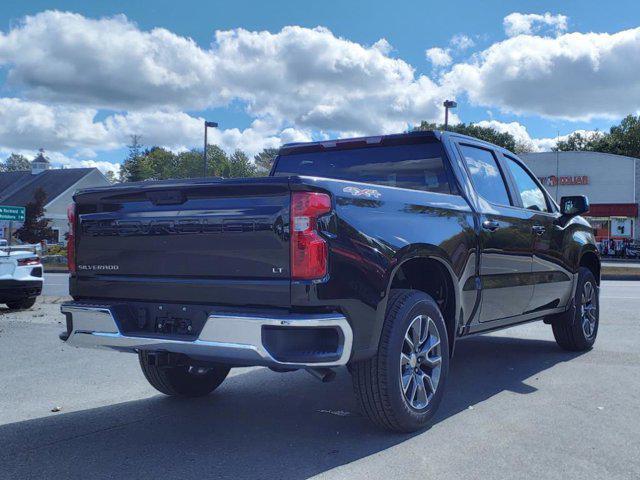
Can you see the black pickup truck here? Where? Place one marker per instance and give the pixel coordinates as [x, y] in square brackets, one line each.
[377, 253]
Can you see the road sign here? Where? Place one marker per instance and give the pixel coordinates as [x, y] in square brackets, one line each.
[12, 213]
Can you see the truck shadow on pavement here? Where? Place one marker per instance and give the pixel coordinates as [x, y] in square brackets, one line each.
[259, 424]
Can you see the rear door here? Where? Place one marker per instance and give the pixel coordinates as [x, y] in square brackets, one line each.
[505, 237]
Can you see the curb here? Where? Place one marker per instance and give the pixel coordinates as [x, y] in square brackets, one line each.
[628, 278]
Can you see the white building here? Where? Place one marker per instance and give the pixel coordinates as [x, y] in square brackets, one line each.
[612, 183]
[18, 189]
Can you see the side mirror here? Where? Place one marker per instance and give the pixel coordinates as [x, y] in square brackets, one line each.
[575, 205]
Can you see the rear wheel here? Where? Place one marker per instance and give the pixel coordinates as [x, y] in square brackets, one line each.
[401, 387]
[577, 329]
[183, 380]
[23, 304]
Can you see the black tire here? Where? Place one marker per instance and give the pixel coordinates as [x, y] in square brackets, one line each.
[182, 380]
[378, 381]
[23, 304]
[569, 329]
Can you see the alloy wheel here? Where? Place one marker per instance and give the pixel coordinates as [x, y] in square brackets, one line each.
[420, 362]
[588, 309]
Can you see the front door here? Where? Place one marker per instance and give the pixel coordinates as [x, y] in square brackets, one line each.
[505, 239]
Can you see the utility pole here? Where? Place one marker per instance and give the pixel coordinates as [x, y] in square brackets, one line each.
[204, 155]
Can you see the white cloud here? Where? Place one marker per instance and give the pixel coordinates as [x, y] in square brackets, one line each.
[516, 129]
[439, 57]
[26, 125]
[60, 160]
[87, 84]
[108, 62]
[461, 42]
[173, 130]
[442, 57]
[523, 137]
[530, 23]
[383, 46]
[314, 80]
[576, 76]
[298, 76]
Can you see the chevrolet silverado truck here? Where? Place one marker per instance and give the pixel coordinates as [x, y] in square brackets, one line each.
[374, 253]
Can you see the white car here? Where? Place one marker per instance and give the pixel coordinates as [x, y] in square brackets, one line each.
[20, 277]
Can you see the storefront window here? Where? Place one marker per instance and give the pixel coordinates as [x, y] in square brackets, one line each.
[601, 226]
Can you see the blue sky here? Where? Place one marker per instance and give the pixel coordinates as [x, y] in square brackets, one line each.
[410, 30]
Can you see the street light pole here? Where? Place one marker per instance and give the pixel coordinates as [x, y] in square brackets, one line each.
[447, 105]
[204, 155]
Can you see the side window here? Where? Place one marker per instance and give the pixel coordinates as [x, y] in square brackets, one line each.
[532, 196]
[485, 174]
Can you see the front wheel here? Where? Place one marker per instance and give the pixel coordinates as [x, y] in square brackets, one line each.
[577, 329]
[183, 380]
[401, 387]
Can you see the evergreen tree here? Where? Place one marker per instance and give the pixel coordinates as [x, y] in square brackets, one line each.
[132, 169]
[264, 160]
[240, 165]
[35, 227]
[16, 163]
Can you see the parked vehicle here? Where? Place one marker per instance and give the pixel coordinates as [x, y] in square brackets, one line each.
[376, 253]
[20, 276]
[633, 251]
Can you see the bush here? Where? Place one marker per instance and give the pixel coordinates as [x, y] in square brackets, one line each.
[57, 250]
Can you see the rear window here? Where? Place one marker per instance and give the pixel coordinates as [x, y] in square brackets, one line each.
[418, 167]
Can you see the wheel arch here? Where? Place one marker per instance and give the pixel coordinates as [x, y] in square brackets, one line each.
[411, 272]
[591, 260]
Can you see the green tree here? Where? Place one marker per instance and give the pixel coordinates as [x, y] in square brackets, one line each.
[159, 163]
[264, 160]
[35, 227]
[132, 169]
[217, 162]
[189, 164]
[580, 141]
[15, 163]
[488, 134]
[622, 139]
[111, 177]
[240, 165]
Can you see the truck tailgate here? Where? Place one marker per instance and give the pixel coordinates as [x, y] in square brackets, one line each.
[226, 241]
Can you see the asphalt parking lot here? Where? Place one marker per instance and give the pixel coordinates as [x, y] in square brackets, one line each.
[516, 406]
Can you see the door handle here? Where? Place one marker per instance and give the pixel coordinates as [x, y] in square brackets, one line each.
[539, 230]
[490, 225]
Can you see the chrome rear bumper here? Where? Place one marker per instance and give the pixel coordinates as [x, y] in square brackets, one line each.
[227, 338]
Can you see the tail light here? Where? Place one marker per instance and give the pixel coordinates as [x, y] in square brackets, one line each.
[309, 252]
[24, 262]
[71, 238]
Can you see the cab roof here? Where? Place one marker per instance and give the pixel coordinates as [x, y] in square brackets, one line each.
[393, 139]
